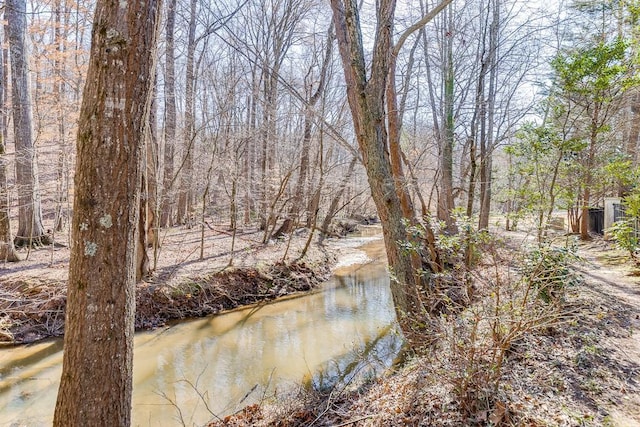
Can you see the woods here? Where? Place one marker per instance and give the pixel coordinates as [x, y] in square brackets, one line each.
[444, 121]
[249, 113]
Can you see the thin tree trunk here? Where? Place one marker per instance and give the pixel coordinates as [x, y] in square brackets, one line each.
[445, 199]
[478, 121]
[487, 140]
[62, 190]
[586, 194]
[166, 216]
[297, 201]
[335, 201]
[147, 235]
[185, 198]
[7, 249]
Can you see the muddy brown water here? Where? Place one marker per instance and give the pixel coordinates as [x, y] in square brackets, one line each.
[187, 372]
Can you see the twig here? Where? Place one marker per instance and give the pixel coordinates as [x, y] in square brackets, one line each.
[346, 423]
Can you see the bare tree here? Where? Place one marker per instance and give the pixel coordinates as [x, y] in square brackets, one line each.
[309, 116]
[367, 95]
[185, 196]
[30, 228]
[166, 216]
[96, 383]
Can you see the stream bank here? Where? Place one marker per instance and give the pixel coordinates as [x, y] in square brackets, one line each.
[581, 371]
[183, 285]
[192, 372]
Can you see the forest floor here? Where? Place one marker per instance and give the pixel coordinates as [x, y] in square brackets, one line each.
[184, 283]
[578, 367]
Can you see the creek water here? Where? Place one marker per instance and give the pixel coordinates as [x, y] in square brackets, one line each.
[187, 372]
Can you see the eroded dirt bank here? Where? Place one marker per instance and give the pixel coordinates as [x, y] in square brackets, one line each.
[183, 285]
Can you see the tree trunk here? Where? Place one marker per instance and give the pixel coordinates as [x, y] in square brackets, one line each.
[297, 201]
[488, 138]
[166, 216]
[634, 132]
[185, 198]
[7, 249]
[30, 228]
[96, 383]
[367, 101]
[62, 183]
[148, 195]
[337, 195]
[588, 179]
[445, 199]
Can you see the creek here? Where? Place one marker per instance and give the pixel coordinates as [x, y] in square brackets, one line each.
[188, 371]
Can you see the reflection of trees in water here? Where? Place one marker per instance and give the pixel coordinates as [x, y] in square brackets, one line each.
[368, 298]
[361, 364]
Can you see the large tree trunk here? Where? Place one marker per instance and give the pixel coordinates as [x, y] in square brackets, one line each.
[30, 228]
[7, 249]
[166, 215]
[96, 383]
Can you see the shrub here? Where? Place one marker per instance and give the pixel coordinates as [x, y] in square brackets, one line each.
[548, 270]
[626, 237]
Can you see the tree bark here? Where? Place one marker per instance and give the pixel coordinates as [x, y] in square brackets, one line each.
[96, 383]
[445, 198]
[7, 249]
[59, 88]
[488, 140]
[594, 128]
[30, 228]
[166, 216]
[185, 197]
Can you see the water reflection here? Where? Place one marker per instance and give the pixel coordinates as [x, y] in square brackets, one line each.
[190, 370]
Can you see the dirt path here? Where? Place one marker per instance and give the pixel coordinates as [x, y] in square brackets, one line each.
[607, 272]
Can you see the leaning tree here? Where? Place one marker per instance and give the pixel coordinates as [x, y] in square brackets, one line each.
[375, 123]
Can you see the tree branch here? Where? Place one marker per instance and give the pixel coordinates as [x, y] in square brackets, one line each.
[421, 23]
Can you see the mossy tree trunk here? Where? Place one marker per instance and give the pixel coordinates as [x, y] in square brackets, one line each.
[96, 384]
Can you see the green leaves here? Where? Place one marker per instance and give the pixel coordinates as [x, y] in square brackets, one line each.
[595, 73]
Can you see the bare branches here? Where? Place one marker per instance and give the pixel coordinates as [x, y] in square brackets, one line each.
[418, 25]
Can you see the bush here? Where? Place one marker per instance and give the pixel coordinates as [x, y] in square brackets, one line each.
[626, 237]
[548, 270]
[477, 341]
